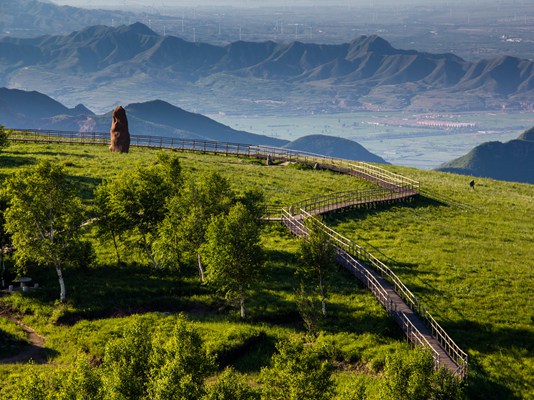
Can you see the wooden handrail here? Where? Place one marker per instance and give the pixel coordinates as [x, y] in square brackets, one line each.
[374, 173]
[460, 358]
[392, 187]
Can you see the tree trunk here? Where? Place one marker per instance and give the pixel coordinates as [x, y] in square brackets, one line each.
[242, 302]
[63, 290]
[3, 266]
[321, 289]
[149, 253]
[116, 247]
[200, 268]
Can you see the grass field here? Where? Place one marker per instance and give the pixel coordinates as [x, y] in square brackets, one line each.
[465, 253]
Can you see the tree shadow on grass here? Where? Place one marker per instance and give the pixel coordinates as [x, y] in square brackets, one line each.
[343, 319]
[10, 344]
[269, 307]
[250, 356]
[13, 350]
[60, 154]
[486, 338]
[105, 292]
[15, 161]
[507, 343]
[86, 185]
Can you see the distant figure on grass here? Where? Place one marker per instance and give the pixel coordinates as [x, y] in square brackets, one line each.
[119, 134]
[472, 184]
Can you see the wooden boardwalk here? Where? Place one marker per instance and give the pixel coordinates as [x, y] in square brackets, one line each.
[412, 325]
[394, 296]
[418, 325]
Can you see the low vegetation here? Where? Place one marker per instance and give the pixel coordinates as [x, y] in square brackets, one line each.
[356, 351]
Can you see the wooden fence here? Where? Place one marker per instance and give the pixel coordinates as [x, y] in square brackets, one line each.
[378, 175]
[393, 187]
[358, 260]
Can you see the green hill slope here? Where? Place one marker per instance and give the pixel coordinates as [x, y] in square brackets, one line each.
[510, 161]
[465, 253]
[337, 147]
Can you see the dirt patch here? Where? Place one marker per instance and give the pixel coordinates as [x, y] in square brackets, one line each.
[34, 351]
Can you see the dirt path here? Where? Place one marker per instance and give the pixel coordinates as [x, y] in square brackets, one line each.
[34, 351]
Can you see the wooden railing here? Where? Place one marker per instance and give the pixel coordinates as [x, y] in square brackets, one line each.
[339, 200]
[376, 174]
[351, 255]
[392, 187]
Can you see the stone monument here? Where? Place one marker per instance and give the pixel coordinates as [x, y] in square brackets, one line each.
[119, 134]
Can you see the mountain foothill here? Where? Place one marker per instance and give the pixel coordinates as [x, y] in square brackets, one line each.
[34, 110]
[509, 161]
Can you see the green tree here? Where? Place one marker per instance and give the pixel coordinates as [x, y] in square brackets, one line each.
[83, 382]
[4, 135]
[126, 364]
[231, 385]
[189, 213]
[411, 375]
[180, 365]
[297, 372]
[317, 260]
[33, 387]
[44, 217]
[233, 254]
[136, 203]
[5, 239]
[308, 310]
[110, 223]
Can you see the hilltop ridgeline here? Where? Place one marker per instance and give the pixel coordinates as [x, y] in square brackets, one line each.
[511, 161]
[34, 110]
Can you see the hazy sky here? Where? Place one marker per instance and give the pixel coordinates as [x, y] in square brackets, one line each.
[126, 4]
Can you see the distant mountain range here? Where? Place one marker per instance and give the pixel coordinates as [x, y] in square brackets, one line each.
[30, 18]
[510, 161]
[367, 73]
[34, 110]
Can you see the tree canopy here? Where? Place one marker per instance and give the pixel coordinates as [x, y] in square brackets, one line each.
[4, 134]
[233, 253]
[317, 259]
[44, 217]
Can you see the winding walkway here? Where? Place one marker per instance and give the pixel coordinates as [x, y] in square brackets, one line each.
[417, 323]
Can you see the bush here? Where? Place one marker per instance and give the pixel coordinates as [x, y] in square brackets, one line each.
[411, 376]
[297, 373]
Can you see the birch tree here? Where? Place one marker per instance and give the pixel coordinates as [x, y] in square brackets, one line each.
[233, 254]
[4, 134]
[44, 217]
[136, 204]
[188, 216]
[5, 239]
[297, 372]
[317, 256]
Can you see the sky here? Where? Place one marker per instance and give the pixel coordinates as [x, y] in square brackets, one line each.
[129, 4]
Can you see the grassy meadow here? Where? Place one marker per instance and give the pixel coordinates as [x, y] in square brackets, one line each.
[467, 254]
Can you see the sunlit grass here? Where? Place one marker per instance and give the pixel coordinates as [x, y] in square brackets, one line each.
[468, 257]
[467, 254]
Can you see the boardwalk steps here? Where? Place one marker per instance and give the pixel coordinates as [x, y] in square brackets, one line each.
[418, 325]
